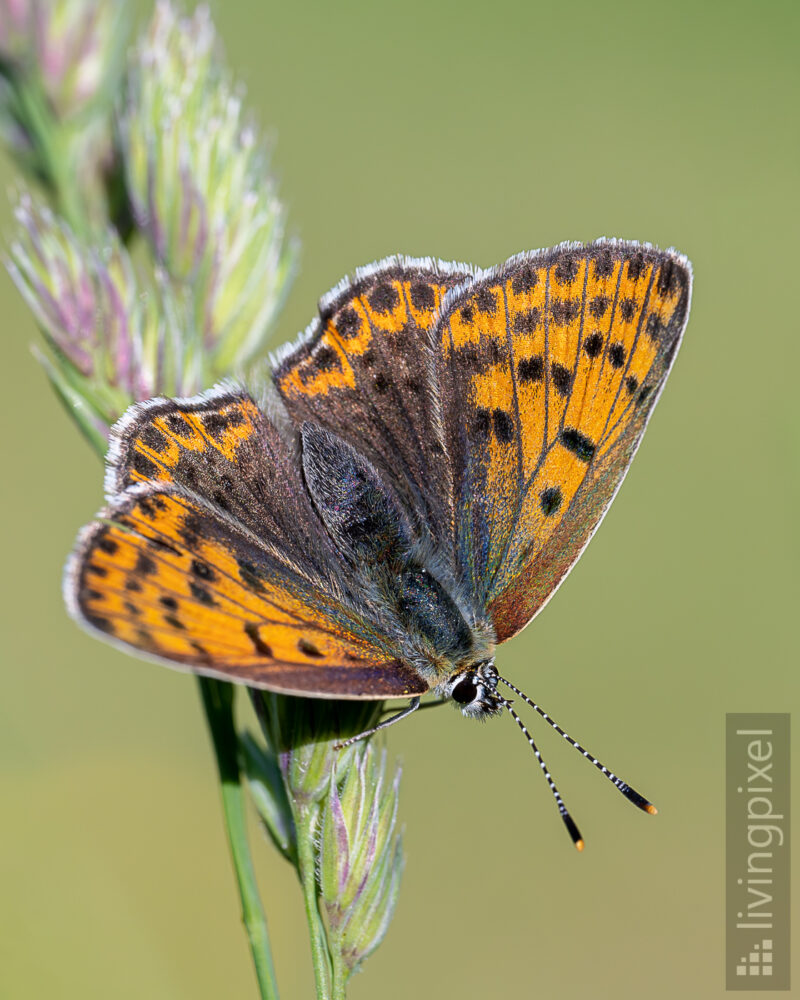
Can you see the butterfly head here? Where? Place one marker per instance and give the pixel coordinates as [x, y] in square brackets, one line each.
[474, 690]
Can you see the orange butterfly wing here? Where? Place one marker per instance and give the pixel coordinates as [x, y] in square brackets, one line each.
[550, 367]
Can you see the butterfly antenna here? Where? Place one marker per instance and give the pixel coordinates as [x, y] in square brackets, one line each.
[630, 793]
[569, 822]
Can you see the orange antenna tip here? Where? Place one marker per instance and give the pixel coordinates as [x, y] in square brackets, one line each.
[579, 844]
[650, 808]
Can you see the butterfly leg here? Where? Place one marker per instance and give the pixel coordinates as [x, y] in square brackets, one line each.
[412, 706]
[434, 703]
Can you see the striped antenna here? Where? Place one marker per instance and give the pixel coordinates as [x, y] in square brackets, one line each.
[569, 822]
[630, 793]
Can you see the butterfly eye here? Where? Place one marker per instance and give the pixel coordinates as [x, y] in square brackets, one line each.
[465, 691]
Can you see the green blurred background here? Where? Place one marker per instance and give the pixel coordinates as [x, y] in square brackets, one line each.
[467, 131]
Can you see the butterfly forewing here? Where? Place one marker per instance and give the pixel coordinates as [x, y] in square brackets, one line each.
[363, 370]
[549, 367]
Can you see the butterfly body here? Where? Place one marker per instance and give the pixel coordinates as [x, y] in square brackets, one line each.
[431, 459]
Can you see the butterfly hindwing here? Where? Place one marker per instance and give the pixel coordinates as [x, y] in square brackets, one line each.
[164, 575]
[363, 371]
[549, 367]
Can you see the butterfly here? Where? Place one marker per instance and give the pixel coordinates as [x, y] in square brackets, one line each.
[425, 466]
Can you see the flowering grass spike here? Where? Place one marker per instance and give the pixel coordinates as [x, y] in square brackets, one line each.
[198, 176]
[60, 73]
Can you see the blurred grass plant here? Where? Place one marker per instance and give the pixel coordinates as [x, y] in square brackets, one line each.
[159, 151]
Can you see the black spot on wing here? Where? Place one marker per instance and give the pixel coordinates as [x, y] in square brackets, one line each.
[525, 279]
[144, 564]
[604, 264]
[482, 423]
[550, 500]
[636, 266]
[580, 445]
[564, 311]
[215, 424]
[383, 298]
[593, 344]
[566, 269]
[654, 326]
[175, 423]
[598, 307]
[670, 277]
[202, 570]
[495, 352]
[616, 355]
[153, 438]
[201, 594]
[526, 322]
[503, 426]
[348, 323]
[325, 359]
[159, 543]
[422, 296]
[261, 647]
[530, 369]
[308, 648]
[145, 639]
[486, 300]
[561, 377]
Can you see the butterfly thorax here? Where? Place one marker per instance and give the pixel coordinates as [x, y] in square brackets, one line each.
[417, 605]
